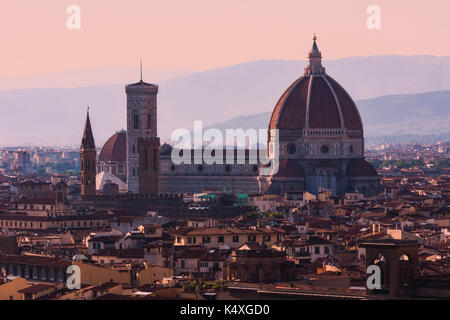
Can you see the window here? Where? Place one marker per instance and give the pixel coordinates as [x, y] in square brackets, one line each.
[145, 159]
[327, 249]
[235, 238]
[317, 250]
[206, 239]
[291, 149]
[220, 239]
[267, 238]
[324, 149]
[183, 264]
[136, 121]
[178, 239]
[149, 122]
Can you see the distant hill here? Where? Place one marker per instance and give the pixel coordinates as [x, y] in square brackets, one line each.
[425, 114]
[85, 78]
[55, 116]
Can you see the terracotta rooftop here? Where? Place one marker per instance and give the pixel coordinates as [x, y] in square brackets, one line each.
[115, 148]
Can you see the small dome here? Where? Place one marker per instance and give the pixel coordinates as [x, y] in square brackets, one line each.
[115, 149]
[165, 150]
[361, 168]
[289, 169]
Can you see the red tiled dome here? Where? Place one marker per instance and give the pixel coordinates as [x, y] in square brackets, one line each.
[290, 169]
[361, 168]
[115, 148]
[315, 100]
[327, 101]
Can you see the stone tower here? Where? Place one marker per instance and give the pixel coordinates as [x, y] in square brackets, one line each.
[88, 160]
[142, 138]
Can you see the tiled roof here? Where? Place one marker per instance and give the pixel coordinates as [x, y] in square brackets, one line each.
[290, 169]
[36, 288]
[115, 148]
[327, 101]
[361, 168]
[121, 253]
[34, 260]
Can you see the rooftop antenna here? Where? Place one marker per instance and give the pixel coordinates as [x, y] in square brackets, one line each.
[141, 70]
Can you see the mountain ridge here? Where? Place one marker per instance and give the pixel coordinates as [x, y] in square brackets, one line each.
[47, 116]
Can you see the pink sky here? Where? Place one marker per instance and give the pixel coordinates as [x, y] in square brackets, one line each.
[205, 34]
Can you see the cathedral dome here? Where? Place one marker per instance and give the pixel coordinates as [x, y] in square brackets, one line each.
[115, 148]
[315, 101]
[361, 168]
[289, 169]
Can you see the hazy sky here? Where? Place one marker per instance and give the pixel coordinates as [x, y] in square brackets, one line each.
[204, 34]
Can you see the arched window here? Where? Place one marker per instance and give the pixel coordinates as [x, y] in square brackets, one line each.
[382, 262]
[145, 159]
[406, 272]
[136, 121]
[149, 122]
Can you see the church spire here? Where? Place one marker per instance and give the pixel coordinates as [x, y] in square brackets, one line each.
[315, 60]
[87, 143]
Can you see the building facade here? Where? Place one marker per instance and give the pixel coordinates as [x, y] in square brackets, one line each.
[321, 145]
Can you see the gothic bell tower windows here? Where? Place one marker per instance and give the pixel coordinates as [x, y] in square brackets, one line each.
[136, 121]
